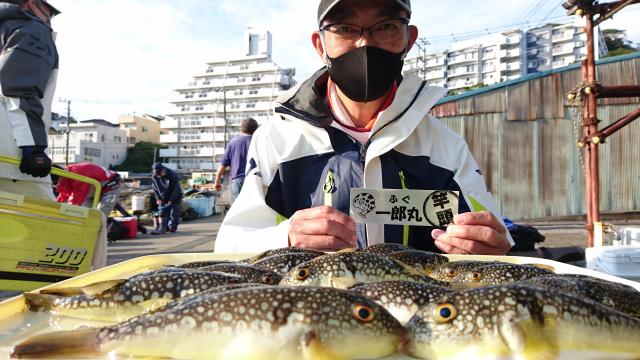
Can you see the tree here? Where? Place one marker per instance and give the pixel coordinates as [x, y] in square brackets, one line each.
[139, 157]
[617, 42]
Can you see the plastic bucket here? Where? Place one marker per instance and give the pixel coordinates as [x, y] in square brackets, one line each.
[137, 202]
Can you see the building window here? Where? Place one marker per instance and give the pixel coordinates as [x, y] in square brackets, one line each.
[92, 152]
[199, 107]
[145, 129]
[117, 139]
[203, 94]
[207, 82]
[188, 95]
[256, 78]
[253, 91]
[132, 140]
[210, 69]
[238, 92]
[244, 67]
[102, 138]
[241, 80]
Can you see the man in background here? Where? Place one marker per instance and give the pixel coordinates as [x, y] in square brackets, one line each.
[235, 156]
[28, 71]
[166, 186]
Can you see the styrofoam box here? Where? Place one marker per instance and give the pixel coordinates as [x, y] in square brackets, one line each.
[203, 205]
[17, 324]
[622, 261]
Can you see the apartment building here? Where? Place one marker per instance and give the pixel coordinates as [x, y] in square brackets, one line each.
[503, 56]
[97, 141]
[207, 112]
[140, 128]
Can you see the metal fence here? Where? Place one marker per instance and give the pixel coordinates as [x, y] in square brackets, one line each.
[523, 134]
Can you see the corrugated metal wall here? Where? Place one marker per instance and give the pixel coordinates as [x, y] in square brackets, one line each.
[524, 138]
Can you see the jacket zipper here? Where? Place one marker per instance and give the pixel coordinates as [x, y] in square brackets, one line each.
[405, 228]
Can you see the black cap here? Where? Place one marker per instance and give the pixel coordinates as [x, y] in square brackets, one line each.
[157, 167]
[326, 6]
[53, 10]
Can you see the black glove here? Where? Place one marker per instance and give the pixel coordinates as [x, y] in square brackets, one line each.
[34, 161]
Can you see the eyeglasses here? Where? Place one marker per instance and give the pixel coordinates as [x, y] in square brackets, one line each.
[383, 32]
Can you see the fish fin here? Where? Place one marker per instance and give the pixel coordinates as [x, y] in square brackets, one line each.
[102, 286]
[314, 349]
[61, 344]
[154, 304]
[94, 289]
[39, 302]
[343, 282]
[544, 266]
[529, 340]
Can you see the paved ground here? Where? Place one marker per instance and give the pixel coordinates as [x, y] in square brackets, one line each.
[192, 236]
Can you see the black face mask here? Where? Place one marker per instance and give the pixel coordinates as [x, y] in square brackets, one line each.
[366, 73]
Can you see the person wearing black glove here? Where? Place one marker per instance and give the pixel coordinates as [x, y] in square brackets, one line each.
[34, 161]
[28, 71]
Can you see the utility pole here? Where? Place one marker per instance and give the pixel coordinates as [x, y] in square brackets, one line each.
[224, 115]
[66, 157]
[422, 43]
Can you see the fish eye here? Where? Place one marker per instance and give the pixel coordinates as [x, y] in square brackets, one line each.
[363, 313]
[302, 274]
[475, 276]
[267, 279]
[445, 313]
[451, 272]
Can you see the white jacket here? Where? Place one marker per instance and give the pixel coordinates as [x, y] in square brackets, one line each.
[290, 158]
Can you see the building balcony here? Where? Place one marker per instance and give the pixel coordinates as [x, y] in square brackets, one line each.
[435, 75]
[244, 68]
[514, 66]
[189, 138]
[195, 152]
[462, 59]
[513, 53]
[490, 68]
[168, 152]
[169, 138]
[567, 36]
[169, 124]
[510, 40]
[207, 166]
[562, 50]
[461, 71]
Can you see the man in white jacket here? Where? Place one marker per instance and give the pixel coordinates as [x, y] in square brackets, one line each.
[357, 123]
[28, 71]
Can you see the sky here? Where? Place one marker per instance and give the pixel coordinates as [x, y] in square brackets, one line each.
[128, 56]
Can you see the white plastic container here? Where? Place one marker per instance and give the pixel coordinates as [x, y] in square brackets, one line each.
[628, 236]
[137, 202]
[622, 261]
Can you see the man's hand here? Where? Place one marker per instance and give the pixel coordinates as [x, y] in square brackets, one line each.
[34, 161]
[478, 233]
[322, 228]
[218, 186]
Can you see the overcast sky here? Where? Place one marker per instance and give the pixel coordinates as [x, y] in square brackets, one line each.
[125, 56]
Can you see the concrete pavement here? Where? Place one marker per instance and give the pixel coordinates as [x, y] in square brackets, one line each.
[192, 236]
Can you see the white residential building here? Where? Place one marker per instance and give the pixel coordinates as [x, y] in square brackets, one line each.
[96, 141]
[231, 89]
[503, 56]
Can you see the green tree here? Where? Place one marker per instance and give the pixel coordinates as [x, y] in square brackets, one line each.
[617, 42]
[139, 157]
